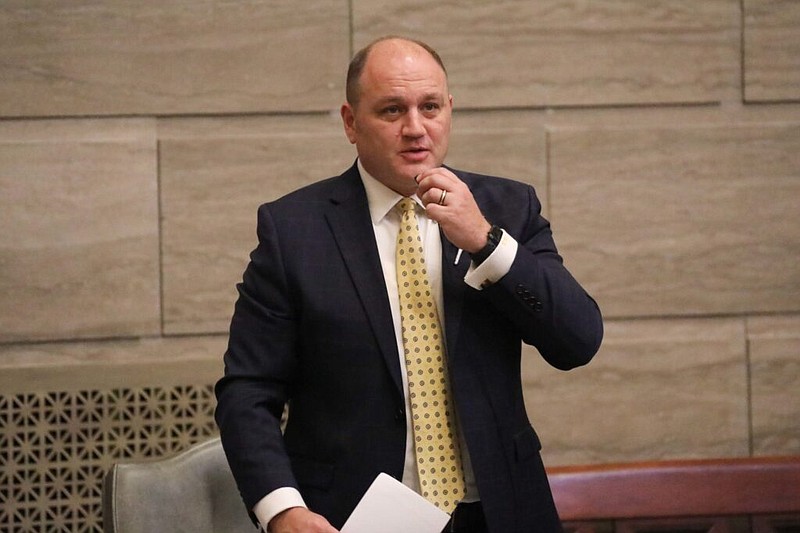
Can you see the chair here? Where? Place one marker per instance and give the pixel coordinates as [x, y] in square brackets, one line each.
[713, 495]
[193, 492]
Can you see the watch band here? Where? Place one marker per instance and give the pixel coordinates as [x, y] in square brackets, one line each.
[492, 240]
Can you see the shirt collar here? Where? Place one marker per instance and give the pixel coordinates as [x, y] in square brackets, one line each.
[381, 199]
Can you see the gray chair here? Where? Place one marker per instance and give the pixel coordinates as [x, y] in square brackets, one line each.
[193, 492]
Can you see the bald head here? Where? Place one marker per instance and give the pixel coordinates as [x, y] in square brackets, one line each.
[360, 59]
[398, 113]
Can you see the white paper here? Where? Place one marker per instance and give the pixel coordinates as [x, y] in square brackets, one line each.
[388, 506]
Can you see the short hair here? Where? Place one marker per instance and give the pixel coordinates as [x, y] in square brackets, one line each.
[359, 61]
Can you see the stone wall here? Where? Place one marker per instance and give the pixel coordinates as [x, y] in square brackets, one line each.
[136, 142]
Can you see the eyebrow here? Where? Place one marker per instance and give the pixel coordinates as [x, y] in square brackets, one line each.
[399, 99]
[390, 100]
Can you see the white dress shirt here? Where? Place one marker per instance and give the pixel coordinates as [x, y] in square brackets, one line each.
[386, 225]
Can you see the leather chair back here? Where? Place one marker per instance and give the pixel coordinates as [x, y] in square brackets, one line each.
[193, 492]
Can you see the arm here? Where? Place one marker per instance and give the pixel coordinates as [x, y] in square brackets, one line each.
[259, 368]
[537, 294]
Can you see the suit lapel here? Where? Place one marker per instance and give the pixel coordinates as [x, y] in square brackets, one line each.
[453, 288]
[349, 220]
[453, 285]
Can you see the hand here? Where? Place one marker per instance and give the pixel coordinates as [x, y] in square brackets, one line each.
[300, 520]
[459, 216]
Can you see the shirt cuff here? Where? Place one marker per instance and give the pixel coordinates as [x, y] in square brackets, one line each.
[275, 503]
[495, 266]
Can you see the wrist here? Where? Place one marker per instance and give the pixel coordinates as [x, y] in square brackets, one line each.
[493, 236]
[481, 238]
[274, 525]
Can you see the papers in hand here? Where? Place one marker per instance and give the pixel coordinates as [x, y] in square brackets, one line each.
[388, 506]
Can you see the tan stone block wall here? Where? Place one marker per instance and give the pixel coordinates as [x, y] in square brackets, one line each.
[772, 50]
[79, 241]
[694, 219]
[563, 52]
[662, 388]
[774, 343]
[663, 139]
[166, 57]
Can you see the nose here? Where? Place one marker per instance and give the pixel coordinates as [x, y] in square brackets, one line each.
[413, 124]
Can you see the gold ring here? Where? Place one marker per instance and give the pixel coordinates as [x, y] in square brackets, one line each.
[442, 197]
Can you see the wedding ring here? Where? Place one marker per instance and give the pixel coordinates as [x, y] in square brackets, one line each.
[442, 197]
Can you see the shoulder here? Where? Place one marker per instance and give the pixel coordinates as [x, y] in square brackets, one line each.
[477, 180]
[493, 188]
[498, 194]
[314, 196]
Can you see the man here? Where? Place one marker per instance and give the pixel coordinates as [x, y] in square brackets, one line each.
[319, 324]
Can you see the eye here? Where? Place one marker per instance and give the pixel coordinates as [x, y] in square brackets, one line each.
[430, 107]
[391, 110]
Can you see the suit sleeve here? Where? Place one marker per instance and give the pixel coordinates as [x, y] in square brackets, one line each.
[259, 367]
[550, 309]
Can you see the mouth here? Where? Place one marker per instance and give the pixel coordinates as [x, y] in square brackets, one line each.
[415, 153]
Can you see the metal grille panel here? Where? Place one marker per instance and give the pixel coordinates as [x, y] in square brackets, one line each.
[55, 447]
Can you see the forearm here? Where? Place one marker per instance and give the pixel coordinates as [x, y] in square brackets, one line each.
[550, 309]
[249, 424]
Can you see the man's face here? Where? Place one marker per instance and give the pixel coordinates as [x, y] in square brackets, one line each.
[401, 123]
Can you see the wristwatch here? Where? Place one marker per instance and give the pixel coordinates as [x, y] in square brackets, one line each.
[492, 240]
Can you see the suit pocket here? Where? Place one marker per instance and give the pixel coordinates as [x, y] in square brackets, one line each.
[311, 473]
[526, 444]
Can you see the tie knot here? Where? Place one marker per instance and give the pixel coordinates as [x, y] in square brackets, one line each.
[405, 205]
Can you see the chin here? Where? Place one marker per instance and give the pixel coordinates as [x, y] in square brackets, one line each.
[413, 170]
[405, 184]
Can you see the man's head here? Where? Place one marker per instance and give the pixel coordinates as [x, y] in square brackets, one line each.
[360, 59]
[398, 110]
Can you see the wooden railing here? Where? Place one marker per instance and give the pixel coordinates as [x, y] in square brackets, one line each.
[714, 495]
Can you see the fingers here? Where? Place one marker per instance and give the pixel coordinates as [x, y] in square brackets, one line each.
[434, 195]
[435, 185]
[450, 202]
[442, 197]
[300, 520]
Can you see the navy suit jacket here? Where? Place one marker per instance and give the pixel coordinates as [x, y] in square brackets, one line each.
[312, 326]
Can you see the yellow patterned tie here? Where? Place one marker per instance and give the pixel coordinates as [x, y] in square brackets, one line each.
[441, 475]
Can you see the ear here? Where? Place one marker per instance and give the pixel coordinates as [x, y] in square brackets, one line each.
[349, 121]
